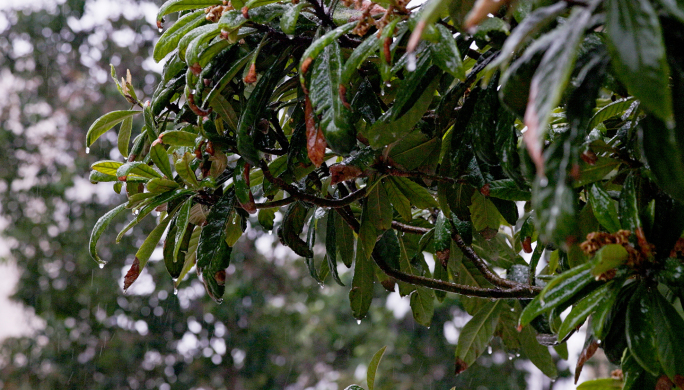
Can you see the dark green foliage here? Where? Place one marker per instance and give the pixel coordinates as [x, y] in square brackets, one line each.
[407, 146]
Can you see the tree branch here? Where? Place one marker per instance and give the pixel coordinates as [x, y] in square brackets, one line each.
[484, 269]
[275, 203]
[299, 195]
[391, 171]
[516, 292]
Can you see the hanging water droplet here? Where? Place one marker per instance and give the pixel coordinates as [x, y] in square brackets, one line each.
[321, 285]
[489, 350]
[101, 265]
[358, 322]
[87, 150]
[411, 65]
[543, 182]
[136, 212]
[161, 30]
[175, 290]
[270, 232]
[219, 301]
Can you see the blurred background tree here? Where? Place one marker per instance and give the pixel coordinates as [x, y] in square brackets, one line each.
[269, 333]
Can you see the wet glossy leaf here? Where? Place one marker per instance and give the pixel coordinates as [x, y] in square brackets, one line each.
[423, 305]
[559, 290]
[604, 208]
[635, 42]
[640, 330]
[538, 354]
[100, 227]
[212, 245]
[106, 122]
[373, 368]
[475, 335]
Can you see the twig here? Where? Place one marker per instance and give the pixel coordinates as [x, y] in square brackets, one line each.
[391, 171]
[520, 291]
[484, 269]
[275, 203]
[299, 195]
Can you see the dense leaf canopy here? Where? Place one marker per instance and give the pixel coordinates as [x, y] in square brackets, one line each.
[467, 133]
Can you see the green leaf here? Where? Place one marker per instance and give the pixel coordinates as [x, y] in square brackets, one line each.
[445, 54]
[635, 43]
[674, 7]
[107, 167]
[99, 177]
[266, 218]
[335, 116]
[361, 293]
[669, 344]
[182, 5]
[150, 205]
[169, 39]
[190, 255]
[182, 225]
[378, 207]
[319, 45]
[406, 267]
[552, 76]
[423, 305]
[288, 22]
[584, 308]
[610, 110]
[476, 334]
[407, 110]
[641, 331]
[593, 173]
[601, 384]
[661, 147]
[538, 354]
[484, 213]
[292, 226]
[607, 258]
[532, 24]
[418, 195]
[398, 200]
[506, 189]
[604, 208]
[185, 171]
[106, 122]
[373, 368]
[161, 160]
[145, 251]
[159, 186]
[125, 136]
[99, 228]
[137, 168]
[599, 320]
[629, 205]
[178, 138]
[212, 244]
[345, 240]
[559, 290]
[331, 246]
[256, 104]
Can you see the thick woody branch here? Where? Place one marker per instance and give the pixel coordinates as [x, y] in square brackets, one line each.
[275, 203]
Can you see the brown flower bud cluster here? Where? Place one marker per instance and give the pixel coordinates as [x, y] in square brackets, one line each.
[678, 250]
[636, 257]
[215, 11]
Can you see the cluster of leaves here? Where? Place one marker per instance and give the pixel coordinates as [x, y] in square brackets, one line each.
[390, 133]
